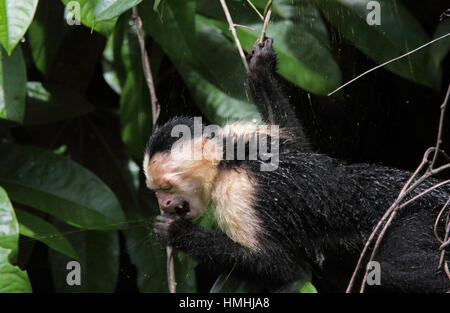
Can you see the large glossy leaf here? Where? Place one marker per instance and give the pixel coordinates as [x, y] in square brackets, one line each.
[15, 17]
[34, 227]
[99, 259]
[46, 33]
[88, 9]
[440, 49]
[303, 57]
[109, 9]
[300, 40]
[220, 102]
[217, 106]
[12, 279]
[398, 33]
[45, 107]
[58, 186]
[176, 33]
[12, 85]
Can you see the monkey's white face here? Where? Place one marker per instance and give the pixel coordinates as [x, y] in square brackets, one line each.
[182, 187]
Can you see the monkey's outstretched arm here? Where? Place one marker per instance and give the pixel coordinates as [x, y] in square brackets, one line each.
[267, 95]
[218, 251]
[263, 86]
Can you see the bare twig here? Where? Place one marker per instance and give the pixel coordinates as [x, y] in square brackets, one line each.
[409, 186]
[256, 10]
[390, 61]
[267, 13]
[156, 108]
[439, 135]
[233, 32]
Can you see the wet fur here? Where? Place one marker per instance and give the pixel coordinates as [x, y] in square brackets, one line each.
[312, 208]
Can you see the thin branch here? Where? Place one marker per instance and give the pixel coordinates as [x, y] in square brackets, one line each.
[233, 32]
[437, 221]
[409, 186]
[390, 61]
[441, 122]
[267, 14]
[156, 108]
[256, 10]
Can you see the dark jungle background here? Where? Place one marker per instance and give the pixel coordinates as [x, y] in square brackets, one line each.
[75, 115]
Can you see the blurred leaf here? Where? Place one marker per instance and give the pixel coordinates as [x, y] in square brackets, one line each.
[88, 9]
[46, 33]
[12, 278]
[99, 259]
[62, 104]
[116, 55]
[9, 234]
[230, 284]
[307, 287]
[39, 229]
[179, 24]
[12, 85]
[149, 259]
[398, 33]
[15, 17]
[58, 186]
[227, 283]
[440, 49]
[108, 9]
[298, 286]
[217, 106]
[185, 273]
[176, 34]
[135, 104]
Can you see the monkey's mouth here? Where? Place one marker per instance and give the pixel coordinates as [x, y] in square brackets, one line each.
[183, 209]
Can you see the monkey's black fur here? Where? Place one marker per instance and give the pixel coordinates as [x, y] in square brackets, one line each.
[315, 208]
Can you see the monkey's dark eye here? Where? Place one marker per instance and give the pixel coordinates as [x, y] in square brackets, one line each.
[166, 187]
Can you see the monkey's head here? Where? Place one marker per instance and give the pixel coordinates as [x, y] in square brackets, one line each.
[183, 183]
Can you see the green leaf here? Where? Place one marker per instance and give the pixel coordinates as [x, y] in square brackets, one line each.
[15, 17]
[440, 49]
[300, 40]
[298, 286]
[231, 284]
[88, 9]
[220, 102]
[135, 104]
[12, 278]
[99, 259]
[398, 33]
[176, 34]
[217, 106]
[149, 259]
[46, 33]
[307, 287]
[108, 9]
[12, 85]
[9, 230]
[58, 186]
[44, 107]
[39, 229]
[116, 56]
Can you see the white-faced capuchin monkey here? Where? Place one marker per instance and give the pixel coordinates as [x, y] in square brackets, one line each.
[309, 206]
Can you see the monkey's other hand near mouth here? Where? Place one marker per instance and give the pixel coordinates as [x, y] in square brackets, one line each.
[170, 228]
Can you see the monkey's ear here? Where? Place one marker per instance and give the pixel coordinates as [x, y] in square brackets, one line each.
[211, 151]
